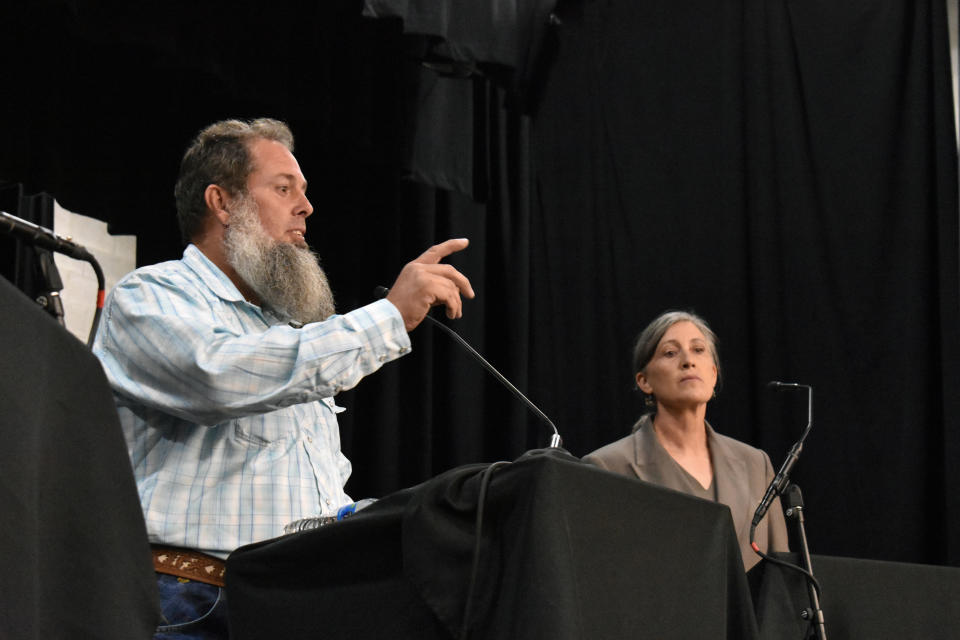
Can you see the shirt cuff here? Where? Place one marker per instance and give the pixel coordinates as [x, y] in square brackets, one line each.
[395, 341]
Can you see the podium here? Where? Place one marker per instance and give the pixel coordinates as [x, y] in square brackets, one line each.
[73, 544]
[565, 551]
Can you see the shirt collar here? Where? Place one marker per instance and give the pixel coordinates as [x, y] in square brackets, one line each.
[211, 275]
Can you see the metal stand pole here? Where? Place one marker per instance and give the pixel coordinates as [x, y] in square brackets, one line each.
[794, 511]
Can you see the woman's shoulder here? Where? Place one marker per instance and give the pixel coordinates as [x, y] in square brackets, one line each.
[615, 448]
[620, 449]
[737, 448]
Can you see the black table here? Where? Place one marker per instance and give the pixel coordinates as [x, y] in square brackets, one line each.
[861, 600]
[566, 551]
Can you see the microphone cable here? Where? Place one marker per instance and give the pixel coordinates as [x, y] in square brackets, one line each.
[478, 537]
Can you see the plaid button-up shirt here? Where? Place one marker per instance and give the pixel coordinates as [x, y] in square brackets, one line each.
[227, 409]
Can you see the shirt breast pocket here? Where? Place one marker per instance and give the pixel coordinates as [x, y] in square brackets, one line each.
[267, 430]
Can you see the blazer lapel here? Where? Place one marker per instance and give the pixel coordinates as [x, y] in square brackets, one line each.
[649, 455]
[730, 474]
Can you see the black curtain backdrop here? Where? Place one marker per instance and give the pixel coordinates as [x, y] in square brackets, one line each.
[786, 169]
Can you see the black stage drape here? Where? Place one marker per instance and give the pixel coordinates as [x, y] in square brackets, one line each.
[787, 169]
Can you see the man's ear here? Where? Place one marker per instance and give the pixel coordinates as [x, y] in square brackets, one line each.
[217, 199]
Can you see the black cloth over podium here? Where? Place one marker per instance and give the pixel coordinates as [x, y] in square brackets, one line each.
[73, 545]
[566, 551]
[861, 599]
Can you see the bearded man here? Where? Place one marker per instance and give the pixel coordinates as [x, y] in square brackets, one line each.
[224, 365]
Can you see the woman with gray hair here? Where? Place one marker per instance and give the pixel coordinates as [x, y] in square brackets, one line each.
[677, 369]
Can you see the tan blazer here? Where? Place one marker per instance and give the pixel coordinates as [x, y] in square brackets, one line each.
[741, 473]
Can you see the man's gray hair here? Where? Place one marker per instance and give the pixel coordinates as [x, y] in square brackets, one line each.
[220, 155]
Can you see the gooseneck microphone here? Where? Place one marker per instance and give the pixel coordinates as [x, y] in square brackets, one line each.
[795, 511]
[555, 440]
[779, 482]
[44, 238]
[41, 237]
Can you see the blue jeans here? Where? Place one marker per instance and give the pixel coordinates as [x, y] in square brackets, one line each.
[191, 610]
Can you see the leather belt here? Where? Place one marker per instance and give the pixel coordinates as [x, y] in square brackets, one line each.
[189, 564]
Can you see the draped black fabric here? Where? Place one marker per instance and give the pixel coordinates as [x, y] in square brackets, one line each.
[862, 599]
[526, 549]
[72, 539]
[787, 169]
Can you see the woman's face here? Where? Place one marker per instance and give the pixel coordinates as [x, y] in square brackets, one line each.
[682, 372]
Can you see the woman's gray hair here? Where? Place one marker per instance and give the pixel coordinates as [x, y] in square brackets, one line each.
[646, 344]
[220, 155]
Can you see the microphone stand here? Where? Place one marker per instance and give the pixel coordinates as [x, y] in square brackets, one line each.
[778, 487]
[794, 511]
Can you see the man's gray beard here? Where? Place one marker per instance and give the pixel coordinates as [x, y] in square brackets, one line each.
[287, 278]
